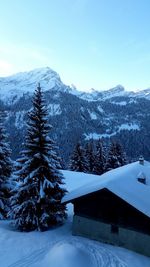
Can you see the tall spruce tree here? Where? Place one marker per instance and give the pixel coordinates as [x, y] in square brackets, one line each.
[116, 157]
[100, 159]
[78, 160]
[36, 203]
[90, 156]
[121, 154]
[5, 169]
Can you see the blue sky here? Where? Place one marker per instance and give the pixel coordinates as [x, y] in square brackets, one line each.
[90, 43]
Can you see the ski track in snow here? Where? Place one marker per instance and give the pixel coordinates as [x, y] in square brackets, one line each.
[100, 256]
[30, 259]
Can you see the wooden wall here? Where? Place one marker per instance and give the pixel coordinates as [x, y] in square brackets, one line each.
[106, 207]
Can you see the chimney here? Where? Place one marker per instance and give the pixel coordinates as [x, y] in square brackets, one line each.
[141, 178]
[141, 160]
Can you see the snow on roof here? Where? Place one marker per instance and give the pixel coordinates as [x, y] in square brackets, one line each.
[141, 175]
[74, 180]
[122, 182]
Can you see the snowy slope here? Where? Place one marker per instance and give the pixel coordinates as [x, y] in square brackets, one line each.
[58, 248]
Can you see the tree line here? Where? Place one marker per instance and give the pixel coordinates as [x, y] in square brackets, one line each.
[96, 158]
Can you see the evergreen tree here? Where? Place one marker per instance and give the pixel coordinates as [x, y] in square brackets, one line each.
[90, 157]
[5, 169]
[121, 154]
[100, 159]
[78, 160]
[116, 157]
[36, 203]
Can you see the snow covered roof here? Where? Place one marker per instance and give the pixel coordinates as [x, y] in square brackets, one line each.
[124, 183]
[141, 175]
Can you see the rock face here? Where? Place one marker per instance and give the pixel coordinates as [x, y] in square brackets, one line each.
[78, 115]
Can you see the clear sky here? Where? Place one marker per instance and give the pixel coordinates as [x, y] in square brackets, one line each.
[90, 43]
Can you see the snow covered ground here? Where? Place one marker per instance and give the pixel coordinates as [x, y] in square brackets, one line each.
[58, 248]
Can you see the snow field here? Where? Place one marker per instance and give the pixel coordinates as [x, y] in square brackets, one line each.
[58, 248]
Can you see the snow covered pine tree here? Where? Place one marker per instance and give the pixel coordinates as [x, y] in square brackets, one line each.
[36, 203]
[90, 156]
[78, 160]
[5, 170]
[100, 159]
[116, 157]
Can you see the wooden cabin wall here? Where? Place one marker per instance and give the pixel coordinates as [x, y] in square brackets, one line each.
[107, 207]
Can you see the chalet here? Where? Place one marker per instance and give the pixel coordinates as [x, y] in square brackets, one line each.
[115, 208]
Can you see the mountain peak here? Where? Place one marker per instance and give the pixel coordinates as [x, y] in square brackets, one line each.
[16, 85]
[118, 88]
[36, 75]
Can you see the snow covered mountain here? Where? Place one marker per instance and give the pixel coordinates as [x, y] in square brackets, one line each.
[117, 91]
[17, 85]
[14, 87]
[77, 115]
